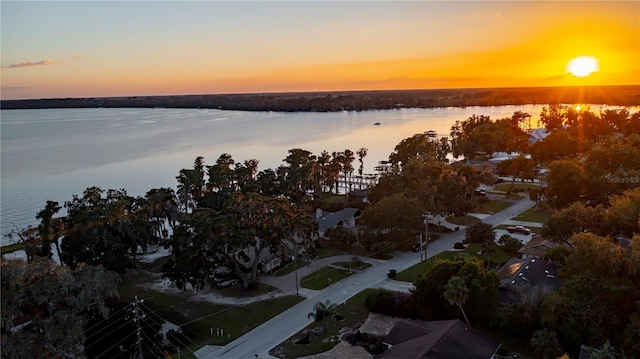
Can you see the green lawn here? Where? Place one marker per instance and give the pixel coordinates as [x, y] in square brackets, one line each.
[318, 279]
[354, 313]
[328, 251]
[290, 267]
[12, 248]
[490, 206]
[347, 265]
[198, 317]
[410, 274]
[463, 220]
[531, 215]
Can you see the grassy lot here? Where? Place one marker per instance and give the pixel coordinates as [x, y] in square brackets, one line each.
[290, 267]
[354, 313]
[318, 279]
[409, 274]
[490, 206]
[347, 265]
[504, 187]
[198, 317]
[328, 250]
[12, 248]
[534, 230]
[531, 215]
[463, 220]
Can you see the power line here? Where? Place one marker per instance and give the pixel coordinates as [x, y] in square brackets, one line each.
[70, 341]
[138, 315]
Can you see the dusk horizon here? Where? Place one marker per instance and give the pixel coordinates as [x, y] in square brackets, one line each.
[97, 49]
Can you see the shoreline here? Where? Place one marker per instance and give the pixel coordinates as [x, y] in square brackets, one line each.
[336, 101]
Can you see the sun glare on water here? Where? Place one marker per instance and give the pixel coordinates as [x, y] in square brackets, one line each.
[582, 66]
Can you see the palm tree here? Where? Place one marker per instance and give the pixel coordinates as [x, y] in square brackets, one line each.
[456, 292]
[347, 168]
[323, 163]
[362, 152]
[335, 167]
[322, 311]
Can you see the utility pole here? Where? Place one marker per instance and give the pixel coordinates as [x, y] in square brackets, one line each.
[138, 315]
[295, 264]
[426, 230]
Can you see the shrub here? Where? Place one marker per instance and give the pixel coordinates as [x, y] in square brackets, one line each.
[458, 245]
[395, 304]
[511, 245]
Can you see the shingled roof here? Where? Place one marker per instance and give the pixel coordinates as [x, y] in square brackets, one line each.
[537, 247]
[438, 339]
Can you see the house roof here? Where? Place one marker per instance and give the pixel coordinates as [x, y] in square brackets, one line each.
[529, 272]
[437, 339]
[537, 135]
[328, 220]
[537, 246]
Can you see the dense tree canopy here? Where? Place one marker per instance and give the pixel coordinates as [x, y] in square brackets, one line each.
[45, 307]
[482, 285]
[566, 182]
[395, 212]
[234, 237]
[105, 229]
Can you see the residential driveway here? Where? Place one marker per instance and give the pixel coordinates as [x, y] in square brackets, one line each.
[271, 333]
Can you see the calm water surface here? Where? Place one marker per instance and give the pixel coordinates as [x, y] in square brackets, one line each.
[53, 154]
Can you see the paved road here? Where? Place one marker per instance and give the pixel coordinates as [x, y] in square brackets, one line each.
[271, 333]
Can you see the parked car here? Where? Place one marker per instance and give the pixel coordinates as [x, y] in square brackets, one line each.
[519, 229]
[480, 192]
[228, 282]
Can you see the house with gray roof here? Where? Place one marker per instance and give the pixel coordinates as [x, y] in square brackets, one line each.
[536, 247]
[344, 218]
[450, 339]
[520, 275]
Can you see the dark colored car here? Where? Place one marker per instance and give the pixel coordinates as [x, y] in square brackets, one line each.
[228, 282]
[416, 247]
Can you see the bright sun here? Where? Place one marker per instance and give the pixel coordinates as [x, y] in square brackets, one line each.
[582, 66]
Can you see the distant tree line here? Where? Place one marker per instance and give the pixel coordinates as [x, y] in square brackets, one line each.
[354, 100]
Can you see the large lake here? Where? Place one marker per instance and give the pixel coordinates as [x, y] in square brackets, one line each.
[53, 154]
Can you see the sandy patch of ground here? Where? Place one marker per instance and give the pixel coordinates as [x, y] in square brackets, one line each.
[208, 294]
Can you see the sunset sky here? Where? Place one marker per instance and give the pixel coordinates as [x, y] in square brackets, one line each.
[123, 48]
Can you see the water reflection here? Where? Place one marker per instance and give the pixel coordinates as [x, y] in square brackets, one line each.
[53, 154]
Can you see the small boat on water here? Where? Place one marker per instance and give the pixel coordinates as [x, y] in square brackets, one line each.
[377, 124]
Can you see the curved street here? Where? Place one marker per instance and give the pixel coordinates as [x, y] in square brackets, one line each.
[272, 332]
